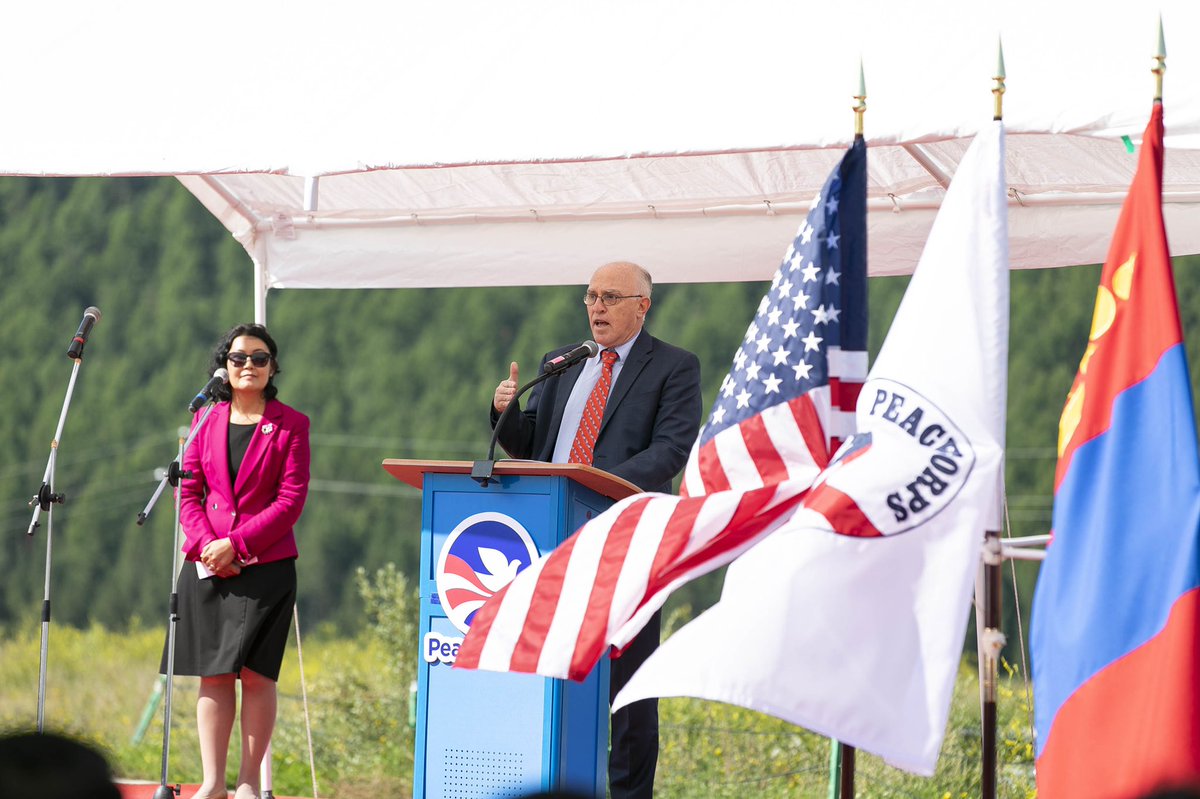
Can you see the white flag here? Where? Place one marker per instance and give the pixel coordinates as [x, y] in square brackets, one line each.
[849, 620]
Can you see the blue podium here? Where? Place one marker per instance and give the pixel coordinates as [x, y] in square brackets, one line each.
[491, 735]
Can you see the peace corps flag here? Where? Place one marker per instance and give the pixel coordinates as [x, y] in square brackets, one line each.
[849, 619]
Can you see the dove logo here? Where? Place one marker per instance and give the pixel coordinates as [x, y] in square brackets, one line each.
[482, 555]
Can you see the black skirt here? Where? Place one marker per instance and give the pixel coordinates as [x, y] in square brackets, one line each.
[226, 624]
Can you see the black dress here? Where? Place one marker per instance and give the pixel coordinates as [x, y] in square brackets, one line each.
[226, 624]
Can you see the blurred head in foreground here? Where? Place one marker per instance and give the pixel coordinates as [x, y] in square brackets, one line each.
[52, 766]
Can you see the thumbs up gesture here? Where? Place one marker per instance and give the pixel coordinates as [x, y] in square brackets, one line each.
[506, 390]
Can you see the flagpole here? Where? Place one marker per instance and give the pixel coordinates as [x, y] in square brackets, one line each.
[860, 105]
[990, 638]
[988, 586]
[1013, 549]
[1160, 62]
[841, 756]
[991, 642]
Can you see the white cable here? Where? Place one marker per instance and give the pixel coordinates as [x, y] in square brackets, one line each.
[1020, 627]
[312, 763]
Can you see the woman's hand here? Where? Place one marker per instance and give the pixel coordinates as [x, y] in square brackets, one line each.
[232, 570]
[218, 558]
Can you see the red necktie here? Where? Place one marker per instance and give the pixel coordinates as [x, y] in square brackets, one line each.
[593, 413]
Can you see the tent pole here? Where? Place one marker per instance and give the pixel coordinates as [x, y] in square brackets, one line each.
[311, 193]
[260, 287]
[266, 774]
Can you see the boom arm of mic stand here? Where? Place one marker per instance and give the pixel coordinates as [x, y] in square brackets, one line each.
[482, 471]
[174, 470]
[46, 495]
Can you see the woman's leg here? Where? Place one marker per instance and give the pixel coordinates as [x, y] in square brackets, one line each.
[258, 721]
[216, 705]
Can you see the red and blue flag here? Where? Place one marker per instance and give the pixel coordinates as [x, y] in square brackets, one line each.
[1116, 614]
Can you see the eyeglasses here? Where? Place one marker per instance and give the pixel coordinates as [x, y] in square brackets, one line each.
[609, 299]
[259, 359]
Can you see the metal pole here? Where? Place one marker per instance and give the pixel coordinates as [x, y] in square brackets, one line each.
[175, 474]
[260, 283]
[143, 724]
[835, 768]
[266, 776]
[44, 500]
[991, 641]
[847, 782]
[841, 770]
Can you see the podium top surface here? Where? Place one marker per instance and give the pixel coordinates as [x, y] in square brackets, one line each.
[609, 485]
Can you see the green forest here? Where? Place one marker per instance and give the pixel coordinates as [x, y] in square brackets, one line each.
[400, 373]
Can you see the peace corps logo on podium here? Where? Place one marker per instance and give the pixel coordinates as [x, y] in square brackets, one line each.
[482, 555]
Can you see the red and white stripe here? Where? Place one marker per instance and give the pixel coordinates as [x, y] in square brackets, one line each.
[847, 373]
[602, 584]
[793, 440]
[785, 442]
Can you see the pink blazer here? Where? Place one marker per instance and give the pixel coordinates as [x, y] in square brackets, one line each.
[258, 512]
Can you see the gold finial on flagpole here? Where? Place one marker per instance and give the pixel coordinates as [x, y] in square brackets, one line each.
[860, 106]
[998, 86]
[1160, 62]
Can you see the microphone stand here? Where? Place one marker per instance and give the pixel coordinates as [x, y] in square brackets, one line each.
[483, 471]
[44, 500]
[174, 474]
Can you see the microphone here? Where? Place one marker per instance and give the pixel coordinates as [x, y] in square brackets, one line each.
[220, 376]
[90, 317]
[483, 472]
[587, 349]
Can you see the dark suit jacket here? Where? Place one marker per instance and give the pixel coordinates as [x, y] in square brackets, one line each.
[650, 422]
[257, 512]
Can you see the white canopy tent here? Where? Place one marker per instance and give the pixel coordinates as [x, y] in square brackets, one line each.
[477, 143]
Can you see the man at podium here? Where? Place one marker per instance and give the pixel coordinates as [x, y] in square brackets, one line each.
[632, 410]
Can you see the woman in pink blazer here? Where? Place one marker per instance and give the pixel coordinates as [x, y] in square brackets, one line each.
[237, 590]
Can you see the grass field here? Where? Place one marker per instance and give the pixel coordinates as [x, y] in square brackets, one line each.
[100, 684]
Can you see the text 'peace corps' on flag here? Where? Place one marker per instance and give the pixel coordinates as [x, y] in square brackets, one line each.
[765, 441]
[849, 618]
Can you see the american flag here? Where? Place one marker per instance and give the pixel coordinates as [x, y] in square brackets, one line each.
[785, 404]
[788, 401]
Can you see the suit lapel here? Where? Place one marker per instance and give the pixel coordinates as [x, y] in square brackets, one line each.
[264, 432]
[216, 434]
[639, 356]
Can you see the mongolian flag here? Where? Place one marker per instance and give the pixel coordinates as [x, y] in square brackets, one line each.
[1116, 615]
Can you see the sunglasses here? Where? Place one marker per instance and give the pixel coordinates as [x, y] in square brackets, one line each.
[259, 359]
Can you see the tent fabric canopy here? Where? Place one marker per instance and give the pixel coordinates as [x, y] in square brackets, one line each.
[522, 144]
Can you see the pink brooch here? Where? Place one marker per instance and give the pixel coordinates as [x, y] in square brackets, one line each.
[268, 429]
